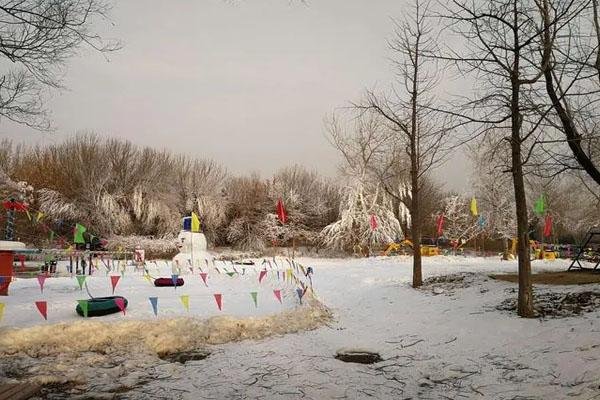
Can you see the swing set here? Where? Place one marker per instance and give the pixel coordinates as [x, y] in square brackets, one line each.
[589, 251]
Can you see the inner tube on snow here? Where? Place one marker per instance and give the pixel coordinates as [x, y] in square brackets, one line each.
[168, 282]
[100, 306]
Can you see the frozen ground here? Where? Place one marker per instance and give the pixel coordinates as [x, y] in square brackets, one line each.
[452, 345]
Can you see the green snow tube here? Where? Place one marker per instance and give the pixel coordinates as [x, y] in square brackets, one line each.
[100, 306]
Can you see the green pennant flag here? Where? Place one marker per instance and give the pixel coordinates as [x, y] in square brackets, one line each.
[81, 280]
[84, 305]
[540, 205]
[231, 273]
[254, 298]
[78, 234]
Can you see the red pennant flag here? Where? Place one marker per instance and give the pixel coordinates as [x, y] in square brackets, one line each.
[262, 275]
[548, 226]
[41, 279]
[373, 222]
[281, 214]
[440, 225]
[114, 279]
[42, 307]
[203, 275]
[219, 300]
[120, 302]
[277, 294]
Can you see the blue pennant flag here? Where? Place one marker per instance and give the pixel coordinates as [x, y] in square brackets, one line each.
[154, 302]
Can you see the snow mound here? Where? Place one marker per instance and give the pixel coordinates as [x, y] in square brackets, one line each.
[162, 336]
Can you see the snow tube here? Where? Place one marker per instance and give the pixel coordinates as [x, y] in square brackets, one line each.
[100, 306]
[168, 282]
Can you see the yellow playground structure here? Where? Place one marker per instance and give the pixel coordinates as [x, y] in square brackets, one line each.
[538, 251]
[406, 245]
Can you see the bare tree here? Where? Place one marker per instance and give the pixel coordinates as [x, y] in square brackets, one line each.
[37, 38]
[406, 111]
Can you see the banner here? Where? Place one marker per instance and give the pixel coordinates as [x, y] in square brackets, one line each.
[440, 225]
[114, 279]
[262, 275]
[41, 280]
[78, 234]
[204, 275]
[84, 307]
[154, 303]
[277, 293]
[81, 280]
[540, 205]
[281, 213]
[185, 300]
[254, 296]
[548, 226]
[195, 223]
[219, 300]
[473, 207]
[42, 307]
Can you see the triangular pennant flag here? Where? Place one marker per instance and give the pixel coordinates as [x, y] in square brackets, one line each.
[204, 275]
[148, 278]
[174, 278]
[290, 273]
[120, 302]
[1, 311]
[231, 274]
[42, 307]
[84, 305]
[254, 298]
[41, 280]
[78, 234]
[154, 303]
[114, 279]
[185, 300]
[219, 300]
[300, 293]
[277, 293]
[81, 280]
[262, 275]
[473, 207]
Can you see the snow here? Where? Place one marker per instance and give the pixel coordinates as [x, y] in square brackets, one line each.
[455, 344]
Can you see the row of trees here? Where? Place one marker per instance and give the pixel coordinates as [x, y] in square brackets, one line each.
[528, 76]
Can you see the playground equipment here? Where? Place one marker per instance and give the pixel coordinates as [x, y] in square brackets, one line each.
[7, 256]
[589, 251]
[426, 250]
[99, 306]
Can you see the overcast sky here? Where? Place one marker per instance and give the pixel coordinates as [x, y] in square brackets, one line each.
[246, 83]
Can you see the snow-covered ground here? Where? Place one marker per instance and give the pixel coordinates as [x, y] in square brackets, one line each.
[452, 345]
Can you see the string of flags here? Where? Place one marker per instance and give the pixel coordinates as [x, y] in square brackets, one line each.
[185, 299]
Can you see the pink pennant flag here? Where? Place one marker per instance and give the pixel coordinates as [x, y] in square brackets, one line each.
[219, 300]
[262, 275]
[42, 307]
[114, 279]
[204, 275]
[120, 302]
[373, 222]
[277, 294]
[41, 280]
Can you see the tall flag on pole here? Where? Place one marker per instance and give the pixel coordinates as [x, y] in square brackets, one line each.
[474, 207]
[78, 233]
[281, 213]
[540, 205]
[195, 222]
[373, 222]
[548, 226]
[440, 225]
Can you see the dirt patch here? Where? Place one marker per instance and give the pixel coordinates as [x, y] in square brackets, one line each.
[449, 283]
[558, 305]
[555, 278]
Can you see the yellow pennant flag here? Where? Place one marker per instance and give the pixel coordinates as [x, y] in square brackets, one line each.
[195, 223]
[474, 207]
[1, 311]
[147, 277]
[185, 300]
[289, 273]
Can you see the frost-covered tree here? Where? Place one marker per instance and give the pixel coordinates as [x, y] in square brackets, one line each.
[459, 224]
[359, 204]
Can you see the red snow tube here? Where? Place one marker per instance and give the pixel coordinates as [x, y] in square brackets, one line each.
[168, 282]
